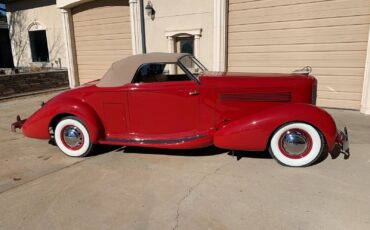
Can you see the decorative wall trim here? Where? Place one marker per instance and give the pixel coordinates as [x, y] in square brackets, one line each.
[70, 48]
[219, 35]
[172, 34]
[365, 101]
[35, 26]
[65, 4]
[135, 26]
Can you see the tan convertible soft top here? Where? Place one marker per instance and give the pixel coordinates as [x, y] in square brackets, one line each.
[121, 72]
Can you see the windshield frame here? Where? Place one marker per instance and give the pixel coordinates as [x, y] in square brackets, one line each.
[197, 63]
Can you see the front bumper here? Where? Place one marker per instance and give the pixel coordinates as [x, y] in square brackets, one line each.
[18, 124]
[342, 140]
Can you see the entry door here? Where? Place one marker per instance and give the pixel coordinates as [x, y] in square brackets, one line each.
[163, 110]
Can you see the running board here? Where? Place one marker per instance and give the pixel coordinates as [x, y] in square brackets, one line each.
[197, 141]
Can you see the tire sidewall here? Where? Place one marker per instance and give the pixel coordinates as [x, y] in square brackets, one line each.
[310, 158]
[72, 121]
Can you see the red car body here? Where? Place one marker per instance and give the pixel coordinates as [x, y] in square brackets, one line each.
[236, 111]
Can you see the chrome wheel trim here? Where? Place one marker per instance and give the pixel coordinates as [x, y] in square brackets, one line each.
[72, 137]
[294, 142]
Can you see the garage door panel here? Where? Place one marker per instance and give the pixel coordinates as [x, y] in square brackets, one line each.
[316, 71]
[286, 6]
[340, 83]
[98, 60]
[298, 34]
[301, 11]
[344, 95]
[321, 47]
[311, 23]
[85, 67]
[338, 103]
[239, 19]
[99, 7]
[245, 5]
[101, 29]
[102, 44]
[98, 13]
[114, 52]
[102, 36]
[88, 34]
[344, 38]
[102, 21]
[339, 55]
[310, 62]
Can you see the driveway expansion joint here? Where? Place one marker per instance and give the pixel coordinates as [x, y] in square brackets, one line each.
[34, 179]
[191, 189]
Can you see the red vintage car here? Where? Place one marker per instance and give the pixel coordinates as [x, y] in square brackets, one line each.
[171, 101]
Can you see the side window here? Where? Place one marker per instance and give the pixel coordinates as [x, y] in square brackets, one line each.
[159, 72]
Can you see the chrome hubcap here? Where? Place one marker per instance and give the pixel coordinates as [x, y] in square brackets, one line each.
[73, 137]
[294, 142]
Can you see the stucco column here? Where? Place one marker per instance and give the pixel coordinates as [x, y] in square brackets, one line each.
[170, 44]
[71, 58]
[196, 45]
[365, 101]
[135, 27]
[219, 35]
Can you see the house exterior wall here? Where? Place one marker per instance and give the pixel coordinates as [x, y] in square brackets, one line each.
[24, 15]
[181, 16]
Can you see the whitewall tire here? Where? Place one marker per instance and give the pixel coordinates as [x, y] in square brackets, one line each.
[72, 137]
[296, 145]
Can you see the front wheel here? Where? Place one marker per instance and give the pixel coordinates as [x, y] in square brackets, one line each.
[296, 145]
[72, 137]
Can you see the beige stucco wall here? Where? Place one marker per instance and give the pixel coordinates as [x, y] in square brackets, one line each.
[47, 15]
[181, 15]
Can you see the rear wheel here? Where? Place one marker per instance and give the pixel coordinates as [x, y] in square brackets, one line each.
[296, 145]
[72, 137]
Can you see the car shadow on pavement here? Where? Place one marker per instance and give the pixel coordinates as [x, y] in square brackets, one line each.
[102, 149]
[250, 154]
[208, 151]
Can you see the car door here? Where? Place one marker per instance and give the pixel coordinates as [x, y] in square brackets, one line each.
[163, 103]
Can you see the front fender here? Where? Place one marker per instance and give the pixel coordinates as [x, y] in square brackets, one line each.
[253, 132]
[37, 125]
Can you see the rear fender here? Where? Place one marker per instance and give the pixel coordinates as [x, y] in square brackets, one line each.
[37, 126]
[253, 132]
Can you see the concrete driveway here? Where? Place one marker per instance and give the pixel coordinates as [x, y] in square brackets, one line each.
[135, 188]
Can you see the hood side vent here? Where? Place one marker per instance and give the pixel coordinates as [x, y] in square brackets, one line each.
[256, 97]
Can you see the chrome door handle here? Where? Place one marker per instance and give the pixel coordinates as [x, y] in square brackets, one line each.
[193, 93]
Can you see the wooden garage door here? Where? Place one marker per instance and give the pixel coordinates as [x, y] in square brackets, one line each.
[283, 35]
[102, 36]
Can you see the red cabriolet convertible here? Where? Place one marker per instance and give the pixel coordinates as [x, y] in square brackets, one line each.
[171, 101]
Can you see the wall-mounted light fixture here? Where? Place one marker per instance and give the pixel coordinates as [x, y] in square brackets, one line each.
[150, 10]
